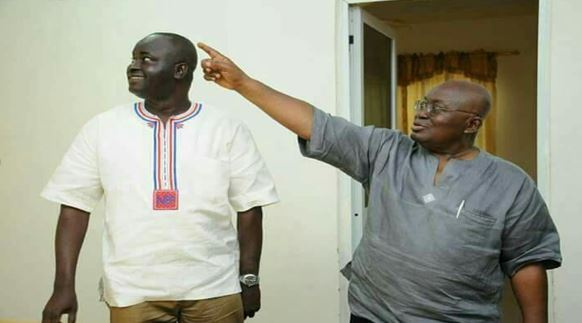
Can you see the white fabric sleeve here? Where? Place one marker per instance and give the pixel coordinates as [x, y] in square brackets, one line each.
[251, 184]
[76, 180]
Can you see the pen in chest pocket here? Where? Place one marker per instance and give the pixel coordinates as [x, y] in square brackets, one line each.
[460, 208]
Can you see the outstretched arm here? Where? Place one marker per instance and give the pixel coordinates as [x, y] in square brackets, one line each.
[71, 230]
[296, 115]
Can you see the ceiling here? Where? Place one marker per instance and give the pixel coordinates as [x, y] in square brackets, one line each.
[404, 12]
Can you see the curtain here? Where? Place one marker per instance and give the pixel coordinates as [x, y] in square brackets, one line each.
[419, 73]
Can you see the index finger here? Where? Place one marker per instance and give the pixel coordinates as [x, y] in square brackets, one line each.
[213, 53]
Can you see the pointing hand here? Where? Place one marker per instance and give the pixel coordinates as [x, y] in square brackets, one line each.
[221, 70]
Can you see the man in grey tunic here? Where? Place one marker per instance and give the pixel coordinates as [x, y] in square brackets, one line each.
[446, 220]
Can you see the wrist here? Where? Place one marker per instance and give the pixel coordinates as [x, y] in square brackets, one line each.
[68, 290]
[65, 285]
[245, 85]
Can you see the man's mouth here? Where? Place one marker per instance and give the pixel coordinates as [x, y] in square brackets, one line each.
[135, 77]
[416, 127]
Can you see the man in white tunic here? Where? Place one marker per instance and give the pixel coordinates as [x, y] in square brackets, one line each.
[172, 172]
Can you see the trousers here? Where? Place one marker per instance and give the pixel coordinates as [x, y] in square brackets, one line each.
[225, 309]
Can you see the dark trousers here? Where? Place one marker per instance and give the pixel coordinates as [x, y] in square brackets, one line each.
[357, 319]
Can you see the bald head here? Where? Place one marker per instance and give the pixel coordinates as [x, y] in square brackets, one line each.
[466, 96]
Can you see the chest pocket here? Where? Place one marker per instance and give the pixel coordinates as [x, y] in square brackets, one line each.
[467, 245]
[477, 242]
[476, 225]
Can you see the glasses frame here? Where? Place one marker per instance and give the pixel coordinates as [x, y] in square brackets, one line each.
[434, 109]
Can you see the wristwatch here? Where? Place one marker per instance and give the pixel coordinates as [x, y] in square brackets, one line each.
[249, 280]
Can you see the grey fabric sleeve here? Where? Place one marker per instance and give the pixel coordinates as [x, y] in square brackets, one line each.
[336, 141]
[530, 235]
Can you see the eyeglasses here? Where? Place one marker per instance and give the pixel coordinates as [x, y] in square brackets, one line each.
[433, 109]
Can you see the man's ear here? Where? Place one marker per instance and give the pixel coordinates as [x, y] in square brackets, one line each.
[181, 70]
[473, 124]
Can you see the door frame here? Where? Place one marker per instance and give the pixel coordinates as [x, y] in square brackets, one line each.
[344, 190]
[359, 17]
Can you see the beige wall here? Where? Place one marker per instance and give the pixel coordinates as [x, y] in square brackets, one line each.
[63, 61]
[516, 84]
[516, 81]
[565, 152]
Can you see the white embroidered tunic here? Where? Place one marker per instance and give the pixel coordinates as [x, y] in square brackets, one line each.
[170, 193]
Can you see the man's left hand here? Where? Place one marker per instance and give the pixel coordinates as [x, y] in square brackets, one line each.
[251, 298]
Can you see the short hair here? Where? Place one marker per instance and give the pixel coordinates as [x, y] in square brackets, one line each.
[186, 51]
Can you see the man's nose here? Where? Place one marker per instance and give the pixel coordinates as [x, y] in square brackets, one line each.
[134, 65]
[422, 114]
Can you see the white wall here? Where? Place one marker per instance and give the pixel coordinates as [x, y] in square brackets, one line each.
[64, 61]
[565, 135]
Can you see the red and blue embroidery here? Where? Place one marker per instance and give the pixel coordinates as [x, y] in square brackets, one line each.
[165, 178]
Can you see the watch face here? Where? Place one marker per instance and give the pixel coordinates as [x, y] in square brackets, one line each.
[249, 280]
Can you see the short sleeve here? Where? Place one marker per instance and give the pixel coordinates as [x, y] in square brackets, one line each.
[530, 235]
[342, 144]
[251, 184]
[76, 180]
